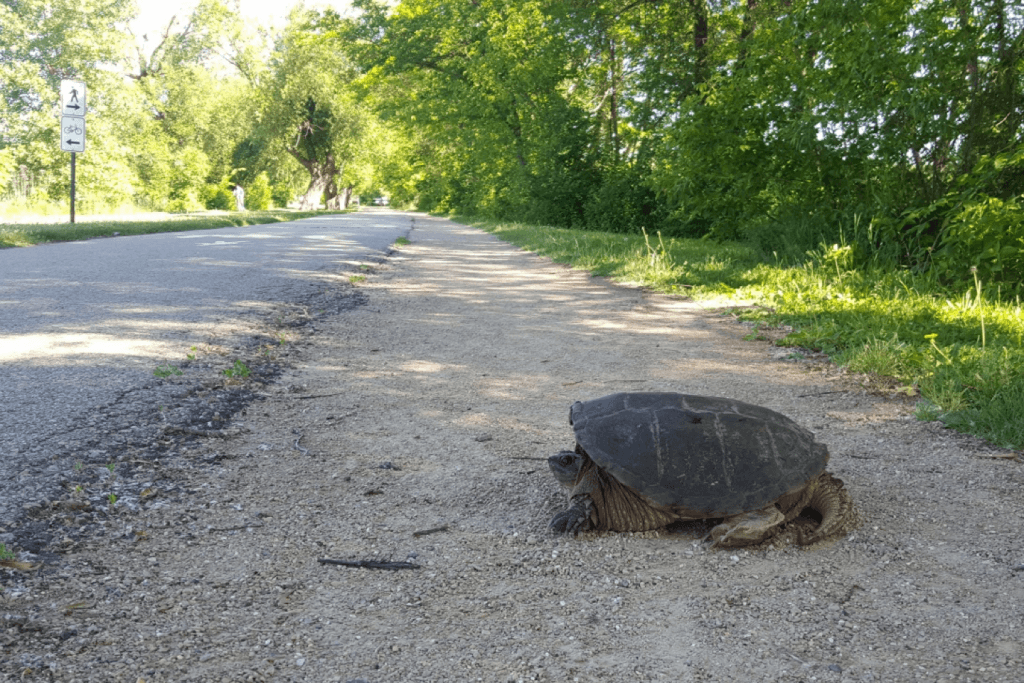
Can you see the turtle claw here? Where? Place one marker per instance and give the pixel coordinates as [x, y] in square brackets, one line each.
[575, 519]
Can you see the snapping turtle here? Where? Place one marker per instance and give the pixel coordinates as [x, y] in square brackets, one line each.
[645, 460]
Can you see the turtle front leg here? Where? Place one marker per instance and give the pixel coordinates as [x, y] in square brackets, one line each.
[576, 518]
[747, 528]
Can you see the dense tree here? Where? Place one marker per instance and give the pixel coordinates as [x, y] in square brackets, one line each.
[155, 138]
[311, 111]
[202, 106]
[893, 124]
[477, 85]
[41, 43]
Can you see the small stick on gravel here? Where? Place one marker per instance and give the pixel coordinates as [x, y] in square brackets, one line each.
[299, 448]
[427, 532]
[370, 564]
[17, 564]
[235, 528]
[211, 433]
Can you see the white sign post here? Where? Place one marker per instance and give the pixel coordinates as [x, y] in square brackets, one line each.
[72, 126]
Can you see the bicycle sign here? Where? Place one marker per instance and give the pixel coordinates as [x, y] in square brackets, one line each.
[72, 133]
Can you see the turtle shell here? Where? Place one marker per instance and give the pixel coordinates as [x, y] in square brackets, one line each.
[714, 456]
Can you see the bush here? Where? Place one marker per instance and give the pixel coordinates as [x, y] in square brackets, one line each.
[184, 204]
[281, 195]
[258, 194]
[987, 234]
[624, 202]
[218, 198]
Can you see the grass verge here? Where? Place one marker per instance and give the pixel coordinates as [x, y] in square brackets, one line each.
[27, 234]
[961, 351]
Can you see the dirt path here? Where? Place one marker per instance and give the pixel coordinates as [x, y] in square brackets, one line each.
[431, 406]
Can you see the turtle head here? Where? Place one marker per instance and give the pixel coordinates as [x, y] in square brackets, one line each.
[566, 466]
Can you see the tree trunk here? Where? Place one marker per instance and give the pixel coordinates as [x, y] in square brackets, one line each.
[321, 180]
[613, 104]
[517, 133]
[701, 33]
[318, 180]
[972, 126]
[332, 201]
[747, 30]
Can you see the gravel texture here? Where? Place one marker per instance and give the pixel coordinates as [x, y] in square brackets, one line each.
[409, 429]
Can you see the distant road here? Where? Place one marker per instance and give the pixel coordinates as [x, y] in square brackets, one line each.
[82, 323]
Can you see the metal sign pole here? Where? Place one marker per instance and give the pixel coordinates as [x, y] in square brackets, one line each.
[72, 126]
[72, 188]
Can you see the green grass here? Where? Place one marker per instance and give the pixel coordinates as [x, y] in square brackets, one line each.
[239, 370]
[60, 230]
[167, 371]
[961, 349]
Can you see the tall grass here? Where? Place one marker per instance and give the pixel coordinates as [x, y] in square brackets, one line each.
[961, 350]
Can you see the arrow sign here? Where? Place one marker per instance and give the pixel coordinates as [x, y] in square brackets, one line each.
[72, 133]
[72, 98]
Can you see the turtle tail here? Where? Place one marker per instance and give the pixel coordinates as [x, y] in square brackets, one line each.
[833, 502]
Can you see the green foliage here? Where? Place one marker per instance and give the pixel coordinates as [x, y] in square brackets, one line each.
[281, 195]
[826, 114]
[311, 112]
[624, 202]
[219, 197]
[890, 126]
[476, 86]
[167, 371]
[153, 140]
[258, 193]
[7, 170]
[239, 370]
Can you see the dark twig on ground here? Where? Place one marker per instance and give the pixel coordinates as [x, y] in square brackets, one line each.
[370, 564]
[300, 449]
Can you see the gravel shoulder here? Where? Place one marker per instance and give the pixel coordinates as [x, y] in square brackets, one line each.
[429, 404]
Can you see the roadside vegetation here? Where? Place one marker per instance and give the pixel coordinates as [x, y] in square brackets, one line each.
[26, 234]
[961, 350]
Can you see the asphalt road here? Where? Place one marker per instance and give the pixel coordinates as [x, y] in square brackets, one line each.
[83, 325]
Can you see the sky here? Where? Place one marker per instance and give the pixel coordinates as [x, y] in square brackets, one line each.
[154, 14]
